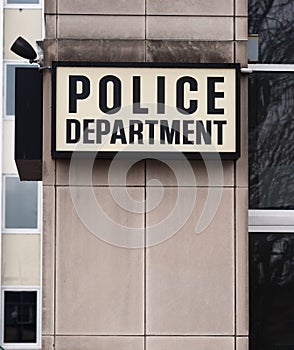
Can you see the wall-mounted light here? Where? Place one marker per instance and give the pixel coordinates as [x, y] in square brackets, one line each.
[24, 49]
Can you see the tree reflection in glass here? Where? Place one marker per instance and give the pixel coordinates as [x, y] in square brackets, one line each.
[273, 21]
[271, 140]
[271, 291]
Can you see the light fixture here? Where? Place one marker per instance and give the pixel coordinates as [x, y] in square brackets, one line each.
[24, 49]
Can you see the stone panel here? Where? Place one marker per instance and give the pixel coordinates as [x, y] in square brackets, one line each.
[100, 27]
[48, 260]
[189, 28]
[194, 172]
[188, 7]
[49, 6]
[242, 343]
[47, 343]
[241, 7]
[242, 163]
[242, 320]
[50, 25]
[190, 276]
[241, 28]
[104, 172]
[189, 343]
[122, 7]
[99, 343]
[99, 286]
[189, 51]
[102, 50]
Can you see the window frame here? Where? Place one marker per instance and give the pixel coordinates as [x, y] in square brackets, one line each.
[23, 6]
[38, 229]
[22, 346]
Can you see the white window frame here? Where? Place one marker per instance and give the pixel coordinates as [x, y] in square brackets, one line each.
[271, 220]
[24, 6]
[22, 346]
[38, 229]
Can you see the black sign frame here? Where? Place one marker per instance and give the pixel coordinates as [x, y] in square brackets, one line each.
[146, 154]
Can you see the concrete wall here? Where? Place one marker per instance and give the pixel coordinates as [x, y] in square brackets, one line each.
[189, 292]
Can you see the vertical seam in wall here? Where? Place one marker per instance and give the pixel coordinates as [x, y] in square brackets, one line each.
[235, 261]
[56, 19]
[55, 193]
[145, 52]
[235, 203]
[55, 243]
[145, 258]
[234, 29]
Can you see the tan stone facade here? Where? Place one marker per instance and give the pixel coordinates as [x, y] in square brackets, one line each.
[190, 291]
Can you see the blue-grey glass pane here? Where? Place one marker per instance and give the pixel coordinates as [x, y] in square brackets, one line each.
[21, 204]
[271, 140]
[271, 272]
[23, 1]
[273, 21]
[20, 317]
[10, 87]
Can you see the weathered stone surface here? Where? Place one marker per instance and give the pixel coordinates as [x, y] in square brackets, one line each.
[50, 6]
[50, 51]
[189, 51]
[50, 25]
[102, 50]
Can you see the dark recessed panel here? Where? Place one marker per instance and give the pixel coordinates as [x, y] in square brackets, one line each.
[29, 123]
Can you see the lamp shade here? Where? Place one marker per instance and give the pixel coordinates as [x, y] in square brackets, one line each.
[23, 49]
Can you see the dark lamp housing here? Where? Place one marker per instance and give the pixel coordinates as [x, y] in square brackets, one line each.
[24, 49]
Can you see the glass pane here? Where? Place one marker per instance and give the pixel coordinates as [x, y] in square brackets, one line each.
[273, 21]
[271, 140]
[271, 291]
[21, 204]
[10, 87]
[23, 1]
[20, 317]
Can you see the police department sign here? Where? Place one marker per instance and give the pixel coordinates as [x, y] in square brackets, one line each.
[193, 109]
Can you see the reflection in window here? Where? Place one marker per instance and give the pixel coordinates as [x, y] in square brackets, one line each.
[20, 317]
[271, 140]
[271, 291]
[21, 204]
[30, 2]
[273, 21]
[10, 88]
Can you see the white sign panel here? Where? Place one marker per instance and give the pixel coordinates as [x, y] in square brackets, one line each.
[193, 109]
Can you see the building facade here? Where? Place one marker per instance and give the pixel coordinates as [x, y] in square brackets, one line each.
[189, 291]
[143, 251]
[21, 214]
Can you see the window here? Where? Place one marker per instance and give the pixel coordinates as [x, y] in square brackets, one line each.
[21, 205]
[10, 87]
[271, 291]
[271, 176]
[273, 22]
[271, 140]
[23, 3]
[21, 316]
